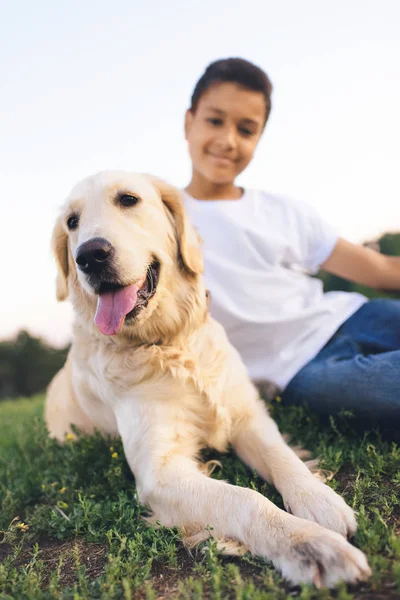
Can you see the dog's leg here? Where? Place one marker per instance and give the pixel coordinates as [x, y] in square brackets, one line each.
[259, 444]
[62, 409]
[179, 494]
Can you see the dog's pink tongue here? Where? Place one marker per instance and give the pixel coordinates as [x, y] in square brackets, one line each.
[112, 308]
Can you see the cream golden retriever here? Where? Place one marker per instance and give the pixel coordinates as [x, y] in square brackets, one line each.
[148, 363]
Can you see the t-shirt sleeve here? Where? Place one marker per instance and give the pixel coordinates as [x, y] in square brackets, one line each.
[315, 238]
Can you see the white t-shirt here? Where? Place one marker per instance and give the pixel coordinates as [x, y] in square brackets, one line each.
[259, 251]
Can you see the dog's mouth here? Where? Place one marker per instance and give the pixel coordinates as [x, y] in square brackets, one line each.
[117, 303]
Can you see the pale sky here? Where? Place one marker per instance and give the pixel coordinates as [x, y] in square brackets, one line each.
[94, 85]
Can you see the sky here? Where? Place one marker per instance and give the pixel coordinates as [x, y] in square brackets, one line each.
[92, 85]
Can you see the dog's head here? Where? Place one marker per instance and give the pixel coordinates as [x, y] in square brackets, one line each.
[127, 254]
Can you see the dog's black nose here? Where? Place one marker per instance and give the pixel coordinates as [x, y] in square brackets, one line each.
[94, 255]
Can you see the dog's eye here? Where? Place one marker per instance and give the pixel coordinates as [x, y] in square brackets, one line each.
[72, 222]
[128, 200]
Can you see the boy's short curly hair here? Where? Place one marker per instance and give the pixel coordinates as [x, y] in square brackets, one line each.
[234, 70]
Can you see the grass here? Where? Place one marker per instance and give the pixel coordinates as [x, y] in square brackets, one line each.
[71, 526]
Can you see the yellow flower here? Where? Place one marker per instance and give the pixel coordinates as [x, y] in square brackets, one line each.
[22, 526]
[70, 436]
[278, 398]
[63, 490]
[114, 455]
[61, 504]
[111, 448]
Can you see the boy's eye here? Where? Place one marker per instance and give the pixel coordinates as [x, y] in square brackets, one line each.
[215, 121]
[245, 131]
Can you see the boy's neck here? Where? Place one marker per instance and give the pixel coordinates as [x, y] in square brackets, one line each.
[207, 190]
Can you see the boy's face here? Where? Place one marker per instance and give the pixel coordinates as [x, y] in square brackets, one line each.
[224, 131]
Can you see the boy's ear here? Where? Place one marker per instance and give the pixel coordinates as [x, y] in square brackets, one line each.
[188, 121]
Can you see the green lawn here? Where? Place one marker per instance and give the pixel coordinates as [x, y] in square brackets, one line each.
[71, 526]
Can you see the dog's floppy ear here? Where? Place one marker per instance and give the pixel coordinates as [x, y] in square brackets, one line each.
[188, 239]
[59, 244]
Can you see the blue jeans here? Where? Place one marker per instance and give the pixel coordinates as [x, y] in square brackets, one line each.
[358, 369]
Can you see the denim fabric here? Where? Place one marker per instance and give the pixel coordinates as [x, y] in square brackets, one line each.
[358, 369]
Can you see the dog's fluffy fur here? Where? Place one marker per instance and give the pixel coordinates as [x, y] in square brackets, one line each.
[169, 383]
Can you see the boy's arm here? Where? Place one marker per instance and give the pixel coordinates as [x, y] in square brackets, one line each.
[363, 265]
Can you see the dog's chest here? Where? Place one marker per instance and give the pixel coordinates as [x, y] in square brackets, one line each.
[110, 378]
[112, 374]
[161, 379]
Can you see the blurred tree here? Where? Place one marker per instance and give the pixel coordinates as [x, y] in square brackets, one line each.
[27, 365]
[389, 243]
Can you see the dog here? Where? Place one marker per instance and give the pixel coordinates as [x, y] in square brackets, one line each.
[148, 363]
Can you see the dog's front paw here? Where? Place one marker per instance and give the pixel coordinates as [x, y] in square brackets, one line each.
[322, 558]
[315, 501]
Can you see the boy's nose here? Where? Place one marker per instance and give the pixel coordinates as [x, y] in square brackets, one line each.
[227, 138]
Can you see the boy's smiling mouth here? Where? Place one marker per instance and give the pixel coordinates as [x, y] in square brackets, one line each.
[220, 157]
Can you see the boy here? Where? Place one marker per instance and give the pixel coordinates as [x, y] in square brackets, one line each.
[330, 350]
